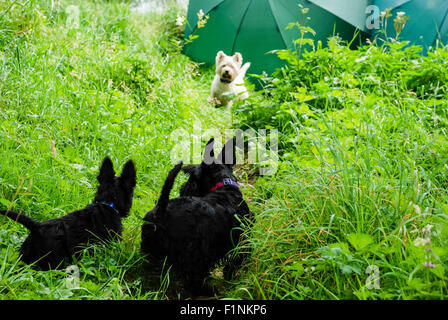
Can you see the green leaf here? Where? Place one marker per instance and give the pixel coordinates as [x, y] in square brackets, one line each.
[360, 241]
[348, 268]
[5, 202]
[295, 269]
[342, 245]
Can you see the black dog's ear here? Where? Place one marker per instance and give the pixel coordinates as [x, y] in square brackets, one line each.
[128, 176]
[227, 155]
[107, 172]
[209, 155]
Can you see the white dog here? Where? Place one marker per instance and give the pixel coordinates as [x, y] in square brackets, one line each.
[228, 83]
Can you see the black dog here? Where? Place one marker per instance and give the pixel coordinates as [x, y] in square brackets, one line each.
[199, 228]
[50, 242]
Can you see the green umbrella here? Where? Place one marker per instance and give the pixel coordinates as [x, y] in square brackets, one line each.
[256, 27]
[392, 4]
[428, 20]
[350, 11]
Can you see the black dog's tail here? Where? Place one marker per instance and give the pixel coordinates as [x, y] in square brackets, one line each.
[29, 223]
[169, 182]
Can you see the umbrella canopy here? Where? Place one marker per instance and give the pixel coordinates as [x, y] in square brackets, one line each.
[428, 20]
[351, 11]
[390, 3]
[255, 27]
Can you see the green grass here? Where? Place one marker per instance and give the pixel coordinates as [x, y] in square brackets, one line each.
[115, 86]
[363, 144]
[364, 150]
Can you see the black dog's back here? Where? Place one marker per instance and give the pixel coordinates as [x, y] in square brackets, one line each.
[49, 242]
[188, 229]
[199, 228]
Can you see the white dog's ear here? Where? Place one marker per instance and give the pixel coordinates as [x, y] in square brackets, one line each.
[238, 58]
[219, 56]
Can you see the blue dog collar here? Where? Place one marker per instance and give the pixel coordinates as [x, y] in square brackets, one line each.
[109, 205]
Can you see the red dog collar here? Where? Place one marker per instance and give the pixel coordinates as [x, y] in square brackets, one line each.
[225, 182]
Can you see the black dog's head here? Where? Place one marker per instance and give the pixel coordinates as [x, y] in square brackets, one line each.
[203, 177]
[116, 190]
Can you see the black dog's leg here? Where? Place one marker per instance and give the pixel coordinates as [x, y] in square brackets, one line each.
[198, 286]
[236, 256]
[195, 280]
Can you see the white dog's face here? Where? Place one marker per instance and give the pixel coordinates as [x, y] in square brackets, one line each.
[228, 67]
